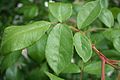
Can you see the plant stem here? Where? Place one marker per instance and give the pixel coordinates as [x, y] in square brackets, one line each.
[90, 30]
[82, 71]
[103, 69]
[74, 29]
[95, 29]
[112, 63]
[81, 75]
[118, 76]
[105, 60]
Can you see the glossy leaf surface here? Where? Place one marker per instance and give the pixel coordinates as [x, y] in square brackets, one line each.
[83, 46]
[61, 11]
[72, 68]
[59, 48]
[19, 37]
[107, 18]
[88, 13]
[37, 50]
[53, 77]
[10, 59]
[116, 43]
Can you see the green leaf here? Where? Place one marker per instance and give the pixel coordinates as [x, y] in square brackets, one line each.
[53, 77]
[95, 68]
[38, 73]
[116, 43]
[29, 11]
[99, 40]
[104, 3]
[77, 7]
[59, 48]
[52, 18]
[37, 50]
[61, 11]
[14, 73]
[95, 36]
[118, 18]
[83, 46]
[19, 37]
[72, 68]
[111, 54]
[111, 34]
[107, 18]
[10, 59]
[1, 59]
[88, 13]
[115, 11]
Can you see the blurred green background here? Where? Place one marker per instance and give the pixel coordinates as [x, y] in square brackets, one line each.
[20, 12]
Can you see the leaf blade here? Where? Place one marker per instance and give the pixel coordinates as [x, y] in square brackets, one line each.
[19, 37]
[118, 18]
[57, 10]
[83, 46]
[72, 68]
[37, 50]
[89, 12]
[107, 18]
[53, 77]
[59, 48]
[116, 43]
[97, 69]
[10, 59]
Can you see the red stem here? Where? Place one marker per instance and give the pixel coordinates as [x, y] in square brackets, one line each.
[103, 69]
[105, 60]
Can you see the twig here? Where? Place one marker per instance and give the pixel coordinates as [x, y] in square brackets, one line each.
[82, 71]
[95, 29]
[81, 75]
[74, 29]
[105, 60]
[103, 70]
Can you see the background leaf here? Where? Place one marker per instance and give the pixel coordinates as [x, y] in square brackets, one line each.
[115, 11]
[111, 34]
[72, 68]
[37, 50]
[14, 73]
[104, 3]
[83, 46]
[111, 54]
[107, 18]
[61, 11]
[38, 73]
[52, 18]
[118, 18]
[19, 37]
[29, 11]
[95, 68]
[10, 59]
[59, 48]
[116, 44]
[88, 13]
[53, 77]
